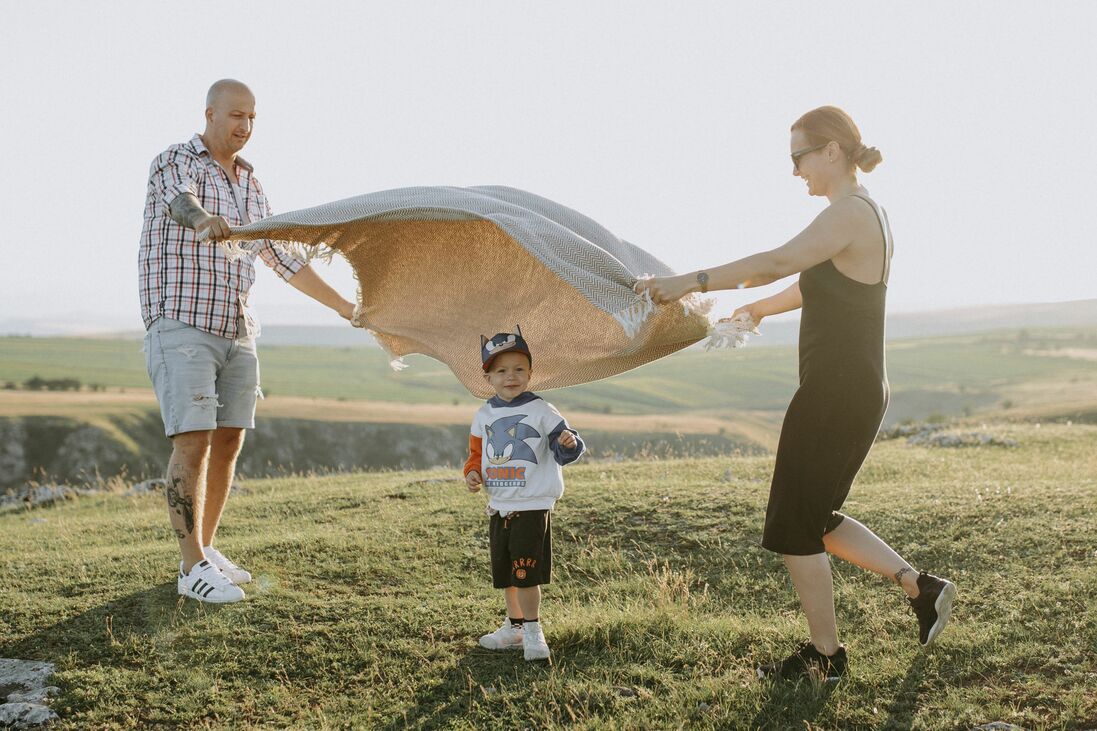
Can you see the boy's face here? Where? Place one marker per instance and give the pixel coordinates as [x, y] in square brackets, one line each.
[509, 375]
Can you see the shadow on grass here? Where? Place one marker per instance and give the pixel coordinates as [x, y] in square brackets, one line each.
[904, 706]
[479, 673]
[790, 705]
[99, 636]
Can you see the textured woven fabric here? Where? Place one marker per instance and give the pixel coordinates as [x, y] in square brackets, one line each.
[438, 267]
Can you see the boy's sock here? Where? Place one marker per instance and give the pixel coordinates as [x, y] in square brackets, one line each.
[516, 622]
[527, 619]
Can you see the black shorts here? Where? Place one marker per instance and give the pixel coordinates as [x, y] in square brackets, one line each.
[521, 549]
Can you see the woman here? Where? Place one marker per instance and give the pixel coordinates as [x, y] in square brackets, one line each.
[844, 259]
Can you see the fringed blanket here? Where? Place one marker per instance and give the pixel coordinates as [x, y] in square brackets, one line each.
[438, 267]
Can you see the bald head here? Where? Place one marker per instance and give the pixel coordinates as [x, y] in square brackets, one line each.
[230, 114]
[226, 87]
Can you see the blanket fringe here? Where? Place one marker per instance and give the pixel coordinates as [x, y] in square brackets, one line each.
[731, 333]
[633, 317]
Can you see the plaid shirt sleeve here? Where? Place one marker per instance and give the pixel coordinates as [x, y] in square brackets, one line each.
[174, 172]
[274, 255]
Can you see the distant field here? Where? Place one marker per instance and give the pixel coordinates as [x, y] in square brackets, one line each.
[947, 376]
[371, 589]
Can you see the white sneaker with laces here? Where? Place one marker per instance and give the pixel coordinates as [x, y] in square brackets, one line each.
[206, 583]
[533, 642]
[236, 574]
[507, 637]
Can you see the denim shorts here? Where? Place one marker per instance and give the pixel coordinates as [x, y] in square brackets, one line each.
[202, 381]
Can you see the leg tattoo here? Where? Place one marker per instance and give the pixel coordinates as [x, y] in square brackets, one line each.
[182, 505]
[899, 574]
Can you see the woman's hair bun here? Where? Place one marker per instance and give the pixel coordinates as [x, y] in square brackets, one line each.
[867, 158]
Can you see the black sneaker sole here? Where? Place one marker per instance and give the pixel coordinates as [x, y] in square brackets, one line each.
[943, 605]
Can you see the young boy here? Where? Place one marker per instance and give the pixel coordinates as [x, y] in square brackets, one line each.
[516, 449]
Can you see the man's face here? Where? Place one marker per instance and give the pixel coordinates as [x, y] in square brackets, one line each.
[230, 119]
[509, 375]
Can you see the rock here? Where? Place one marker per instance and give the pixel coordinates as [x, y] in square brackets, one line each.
[157, 484]
[37, 495]
[25, 715]
[937, 435]
[13, 453]
[88, 451]
[998, 726]
[28, 673]
[26, 708]
[625, 692]
[34, 696]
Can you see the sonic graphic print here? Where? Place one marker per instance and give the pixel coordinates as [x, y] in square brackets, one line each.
[515, 446]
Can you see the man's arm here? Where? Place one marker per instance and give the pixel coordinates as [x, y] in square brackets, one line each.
[188, 212]
[308, 281]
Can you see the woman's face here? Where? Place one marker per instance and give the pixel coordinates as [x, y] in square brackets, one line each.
[811, 164]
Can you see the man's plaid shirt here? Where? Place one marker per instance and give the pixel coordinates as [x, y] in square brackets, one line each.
[193, 282]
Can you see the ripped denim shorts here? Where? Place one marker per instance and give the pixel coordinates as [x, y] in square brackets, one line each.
[202, 381]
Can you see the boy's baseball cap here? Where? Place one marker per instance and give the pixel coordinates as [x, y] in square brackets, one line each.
[500, 343]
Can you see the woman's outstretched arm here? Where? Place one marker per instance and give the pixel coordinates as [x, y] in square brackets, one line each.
[784, 301]
[823, 239]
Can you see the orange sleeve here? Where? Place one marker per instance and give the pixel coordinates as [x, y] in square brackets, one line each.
[475, 450]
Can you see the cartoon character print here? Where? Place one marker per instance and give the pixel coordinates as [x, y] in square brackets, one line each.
[502, 341]
[506, 440]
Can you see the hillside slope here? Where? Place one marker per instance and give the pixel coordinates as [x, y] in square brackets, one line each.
[371, 589]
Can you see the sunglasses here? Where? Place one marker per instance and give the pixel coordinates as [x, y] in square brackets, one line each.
[800, 153]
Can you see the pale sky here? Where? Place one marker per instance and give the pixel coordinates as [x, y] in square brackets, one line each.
[666, 122]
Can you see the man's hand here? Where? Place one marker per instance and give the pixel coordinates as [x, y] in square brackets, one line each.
[213, 228]
[346, 310]
[567, 440]
[473, 480]
[187, 211]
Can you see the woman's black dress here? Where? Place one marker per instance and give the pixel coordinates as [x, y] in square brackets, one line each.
[836, 413]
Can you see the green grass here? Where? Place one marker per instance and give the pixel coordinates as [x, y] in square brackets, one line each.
[371, 589]
[931, 375]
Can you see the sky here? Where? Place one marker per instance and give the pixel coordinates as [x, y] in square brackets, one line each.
[666, 122]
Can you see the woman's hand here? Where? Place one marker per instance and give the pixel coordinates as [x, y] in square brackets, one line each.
[753, 310]
[665, 289]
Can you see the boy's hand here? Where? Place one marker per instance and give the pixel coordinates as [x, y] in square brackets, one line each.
[567, 440]
[473, 480]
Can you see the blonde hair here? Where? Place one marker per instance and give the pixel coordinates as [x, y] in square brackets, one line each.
[831, 124]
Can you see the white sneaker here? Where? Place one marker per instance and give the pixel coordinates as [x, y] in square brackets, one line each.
[507, 637]
[533, 642]
[206, 583]
[236, 574]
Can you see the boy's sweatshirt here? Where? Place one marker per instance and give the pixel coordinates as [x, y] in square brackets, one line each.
[515, 446]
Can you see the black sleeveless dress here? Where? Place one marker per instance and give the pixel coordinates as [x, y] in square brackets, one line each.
[836, 413]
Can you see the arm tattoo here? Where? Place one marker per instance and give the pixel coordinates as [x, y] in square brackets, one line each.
[186, 210]
[180, 504]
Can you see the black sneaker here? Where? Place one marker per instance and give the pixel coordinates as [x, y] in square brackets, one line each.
[933, 605]
[807, 661]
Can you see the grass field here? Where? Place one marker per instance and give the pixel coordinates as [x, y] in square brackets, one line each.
[371, 589]
[941, 375]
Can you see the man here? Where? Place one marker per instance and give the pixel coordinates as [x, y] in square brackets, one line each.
[200, 344]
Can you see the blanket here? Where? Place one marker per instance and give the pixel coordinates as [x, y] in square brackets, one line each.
[438, 267]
